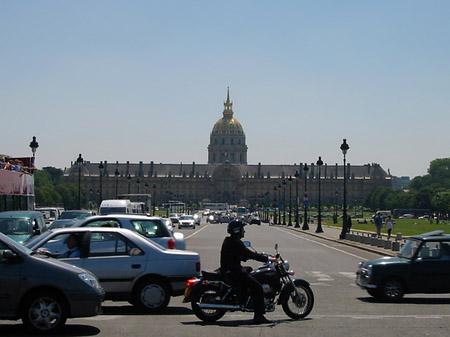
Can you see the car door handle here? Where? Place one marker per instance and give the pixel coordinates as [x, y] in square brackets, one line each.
[135, 266]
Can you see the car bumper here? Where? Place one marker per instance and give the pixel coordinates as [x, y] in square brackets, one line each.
[363, 282]
[86, 304]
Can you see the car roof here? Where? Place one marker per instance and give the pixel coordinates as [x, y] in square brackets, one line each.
[22, 214]
[433, 236]
[124, 216]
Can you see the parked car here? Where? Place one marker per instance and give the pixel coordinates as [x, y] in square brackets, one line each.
[77, 214]
[153, 228]
[186, 221]
[22, 225]
[407, 216]
[129, 266]
[44, 292]
[422, 266]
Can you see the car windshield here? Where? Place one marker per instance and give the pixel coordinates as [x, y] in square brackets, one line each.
[409, 248]
[38, 238]
[151, 228]
[187, 217]
[15, 226]
[73, 215]
[15, 245]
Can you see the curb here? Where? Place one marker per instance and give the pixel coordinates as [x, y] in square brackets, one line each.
[344, 242]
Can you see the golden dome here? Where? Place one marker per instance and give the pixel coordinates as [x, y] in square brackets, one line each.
[228, 125]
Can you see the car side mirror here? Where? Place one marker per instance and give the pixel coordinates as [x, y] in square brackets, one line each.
[9, 255]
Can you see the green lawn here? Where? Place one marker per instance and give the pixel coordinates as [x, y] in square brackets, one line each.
[407, 227]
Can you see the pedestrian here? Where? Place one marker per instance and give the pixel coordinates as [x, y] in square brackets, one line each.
[378, 223]
[389, 226]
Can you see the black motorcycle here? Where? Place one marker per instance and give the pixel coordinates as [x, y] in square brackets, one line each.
[211, 295]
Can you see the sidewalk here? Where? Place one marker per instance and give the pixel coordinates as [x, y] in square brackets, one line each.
[332, 233]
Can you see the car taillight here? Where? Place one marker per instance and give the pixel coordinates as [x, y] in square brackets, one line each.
[191, 282]
[197, 266]
[171, 244]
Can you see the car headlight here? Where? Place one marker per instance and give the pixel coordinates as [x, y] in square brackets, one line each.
[90, 280]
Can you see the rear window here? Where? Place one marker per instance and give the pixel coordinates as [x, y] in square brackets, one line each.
[151, 228]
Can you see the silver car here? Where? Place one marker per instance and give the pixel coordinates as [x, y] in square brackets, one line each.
[129, 266]
[44, 292]
[152, 228]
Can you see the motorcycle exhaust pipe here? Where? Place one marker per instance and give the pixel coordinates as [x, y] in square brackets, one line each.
[218, 306]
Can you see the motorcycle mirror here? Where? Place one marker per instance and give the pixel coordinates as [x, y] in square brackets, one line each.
[276, 246]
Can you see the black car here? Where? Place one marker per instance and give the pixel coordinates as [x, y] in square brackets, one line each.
[422, 266]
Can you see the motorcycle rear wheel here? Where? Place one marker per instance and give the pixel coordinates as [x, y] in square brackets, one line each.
[209, 295]
[297, 307]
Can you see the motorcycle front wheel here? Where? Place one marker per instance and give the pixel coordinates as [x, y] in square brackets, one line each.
[298, 306]
[208, 295]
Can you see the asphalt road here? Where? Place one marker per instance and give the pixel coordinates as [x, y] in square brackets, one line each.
[341, 308]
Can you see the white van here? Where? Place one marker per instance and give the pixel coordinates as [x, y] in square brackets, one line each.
[115, 206]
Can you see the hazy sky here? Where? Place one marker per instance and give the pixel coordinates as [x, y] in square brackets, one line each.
[146, 80]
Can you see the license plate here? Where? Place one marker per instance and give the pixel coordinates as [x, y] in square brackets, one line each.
[187, 292]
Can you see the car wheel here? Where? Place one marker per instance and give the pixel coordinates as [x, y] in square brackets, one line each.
[151, 295]
[44, 311]
[392, 289]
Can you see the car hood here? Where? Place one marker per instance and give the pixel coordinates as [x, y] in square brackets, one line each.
[385, 261]
[20, 238]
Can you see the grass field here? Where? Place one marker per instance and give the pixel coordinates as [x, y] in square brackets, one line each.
[407, 227]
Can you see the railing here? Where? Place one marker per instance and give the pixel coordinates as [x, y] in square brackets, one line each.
[370, 238]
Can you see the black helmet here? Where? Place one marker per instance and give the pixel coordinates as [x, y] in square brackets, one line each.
[235, 227]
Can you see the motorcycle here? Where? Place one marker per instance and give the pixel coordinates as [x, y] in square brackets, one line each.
[211, 295]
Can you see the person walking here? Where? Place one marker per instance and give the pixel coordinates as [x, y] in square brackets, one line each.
[378, 223]
[389, 226]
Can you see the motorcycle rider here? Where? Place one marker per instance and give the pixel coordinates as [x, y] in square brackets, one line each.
[233, 252]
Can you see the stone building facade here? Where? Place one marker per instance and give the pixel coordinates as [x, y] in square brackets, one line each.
[227, 177]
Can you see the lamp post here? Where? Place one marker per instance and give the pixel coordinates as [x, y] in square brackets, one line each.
[290, 200]
[129, 182]
[154, 199]
[80, 164]
[116, 175]
[297, 225]
[344, 149]
[305, 199]
[284, 202]
[319, 229]
[279, 204]
[275, 219]
[100, 168]
[33, 145]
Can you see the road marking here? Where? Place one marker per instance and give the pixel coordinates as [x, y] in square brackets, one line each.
[320, 276]
[320, 243]
[350, 275]
[193, 234]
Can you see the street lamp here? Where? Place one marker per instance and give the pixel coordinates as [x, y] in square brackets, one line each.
[344, 149]
[154, 199]
[279, 204]
[335, 207]
[290, 199]
[275, 220]
[34, 145]
[100, 168]
[319, 229]
[296, 175]
[129, 182]
[305, 199]
[80, 164]
[284, 202]
[116, 175]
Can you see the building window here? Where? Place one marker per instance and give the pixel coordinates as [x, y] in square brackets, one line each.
[231, 141]
[223, 141]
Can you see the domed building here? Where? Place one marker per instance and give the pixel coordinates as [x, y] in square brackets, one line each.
[227, 140]
[227, 177]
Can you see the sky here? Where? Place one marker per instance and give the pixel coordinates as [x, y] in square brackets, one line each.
[146, 80]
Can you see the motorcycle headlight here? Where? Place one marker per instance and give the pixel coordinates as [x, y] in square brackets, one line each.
[90, 280]
[286, 265]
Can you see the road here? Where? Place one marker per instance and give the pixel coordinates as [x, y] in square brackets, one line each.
[341, 308]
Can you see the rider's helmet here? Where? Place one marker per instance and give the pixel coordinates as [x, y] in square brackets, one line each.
[236, 227]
